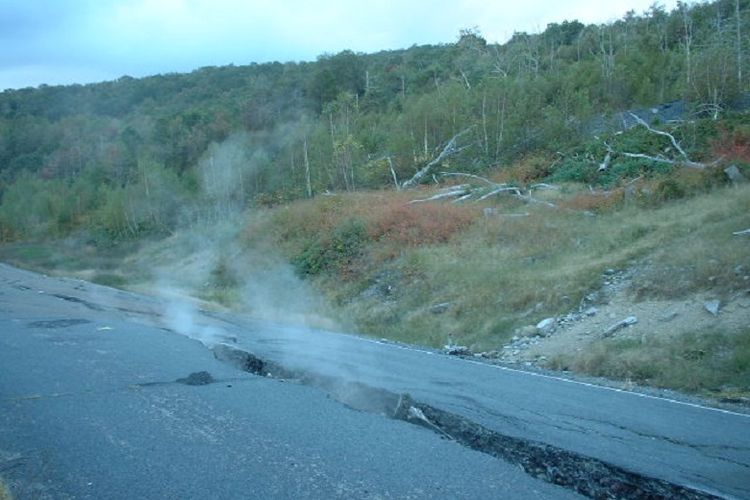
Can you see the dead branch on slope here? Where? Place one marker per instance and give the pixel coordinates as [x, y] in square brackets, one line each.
[448, 150]
[466, 192]
[683, 161]
[663, 134]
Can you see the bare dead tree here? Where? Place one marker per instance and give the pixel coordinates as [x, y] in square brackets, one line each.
[499, 66]
[448, 150]
[607, 52]
[308, 184]
[484, 123]
[739, 42]
[465, 79]
[687, 25]
[500, 125]
[393, 172]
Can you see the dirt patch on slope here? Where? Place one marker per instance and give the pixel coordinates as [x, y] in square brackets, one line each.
[612, 322]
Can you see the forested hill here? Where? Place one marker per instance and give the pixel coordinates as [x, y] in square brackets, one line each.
[73, 156]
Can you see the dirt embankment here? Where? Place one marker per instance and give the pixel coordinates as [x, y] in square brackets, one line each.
[668, 342]
[599, 317]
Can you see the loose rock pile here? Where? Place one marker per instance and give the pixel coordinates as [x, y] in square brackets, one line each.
[613, 281]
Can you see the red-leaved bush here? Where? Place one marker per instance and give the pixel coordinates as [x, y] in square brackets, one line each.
[732, 146]
[418, 224]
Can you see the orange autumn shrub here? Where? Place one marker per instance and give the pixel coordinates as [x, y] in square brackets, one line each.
[418, 224]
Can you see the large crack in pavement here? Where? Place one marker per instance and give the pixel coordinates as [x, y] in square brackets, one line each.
[700, 448]
[585, 475]
[76, 300]
[58, 323]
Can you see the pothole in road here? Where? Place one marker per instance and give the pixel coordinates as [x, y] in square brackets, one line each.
[587, 476]
[197, 378]
[58, 323]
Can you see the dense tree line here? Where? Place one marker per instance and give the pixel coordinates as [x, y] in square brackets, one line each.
[128, 156]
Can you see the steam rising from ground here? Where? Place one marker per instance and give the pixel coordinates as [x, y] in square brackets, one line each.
[271, 290]
[224, 170]
[181, 315]
[214, 257]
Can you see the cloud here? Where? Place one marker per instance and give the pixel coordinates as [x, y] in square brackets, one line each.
[25, 20]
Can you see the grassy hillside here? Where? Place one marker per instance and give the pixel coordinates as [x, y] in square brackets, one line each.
[390, 263]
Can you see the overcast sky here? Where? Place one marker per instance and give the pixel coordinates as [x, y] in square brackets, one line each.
[82, 41]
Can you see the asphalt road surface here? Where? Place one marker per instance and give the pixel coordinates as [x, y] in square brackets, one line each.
[96, 401]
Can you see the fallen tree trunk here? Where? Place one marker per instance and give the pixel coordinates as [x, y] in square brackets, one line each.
[685, 161]
[449, 192]
[464, 192]
[663, 134]
[659, 159]
[450, 149]
[501, 189]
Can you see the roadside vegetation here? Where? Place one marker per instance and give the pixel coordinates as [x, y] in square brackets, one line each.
[478, 278]
[709, 362]
[300, 191]
[4, 491]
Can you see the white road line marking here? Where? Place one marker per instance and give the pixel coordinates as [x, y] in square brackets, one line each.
[563, 379]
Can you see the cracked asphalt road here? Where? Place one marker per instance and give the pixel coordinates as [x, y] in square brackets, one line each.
[90, 407]
[89, 410]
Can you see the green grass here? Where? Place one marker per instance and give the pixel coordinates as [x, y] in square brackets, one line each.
[34, 255]
[71, 256]
[698, 250]
[110, 279]
[712, 362]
